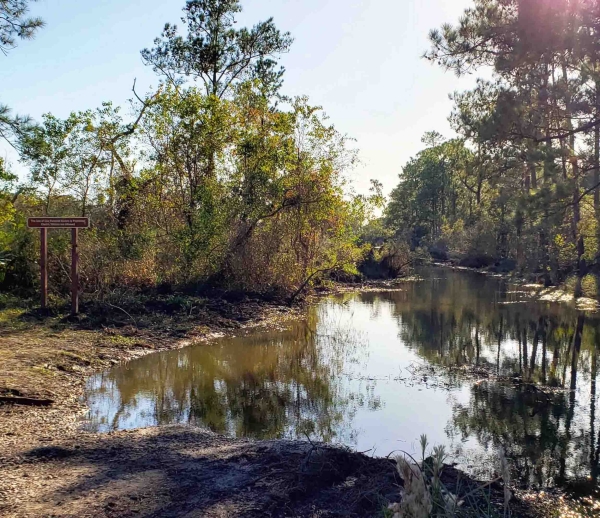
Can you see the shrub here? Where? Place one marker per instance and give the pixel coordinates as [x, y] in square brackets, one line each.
[424, 494]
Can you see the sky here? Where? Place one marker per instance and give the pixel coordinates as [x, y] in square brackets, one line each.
[358, 59]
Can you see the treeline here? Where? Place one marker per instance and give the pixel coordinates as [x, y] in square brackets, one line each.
[520, 185]
[214, 178]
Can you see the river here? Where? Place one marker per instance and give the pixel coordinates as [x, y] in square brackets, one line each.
[469, 360]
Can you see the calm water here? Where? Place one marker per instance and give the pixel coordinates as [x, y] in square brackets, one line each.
[376, 370]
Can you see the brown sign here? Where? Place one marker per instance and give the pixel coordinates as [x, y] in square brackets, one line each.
[58, 222]
[44, 224]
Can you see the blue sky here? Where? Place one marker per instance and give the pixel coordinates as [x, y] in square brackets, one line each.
[359, 59]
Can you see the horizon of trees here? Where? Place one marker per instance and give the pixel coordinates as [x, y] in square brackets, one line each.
[520, 183]
[217, 177]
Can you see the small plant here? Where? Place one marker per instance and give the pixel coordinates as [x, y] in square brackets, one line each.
[416, 497]
[424, 495]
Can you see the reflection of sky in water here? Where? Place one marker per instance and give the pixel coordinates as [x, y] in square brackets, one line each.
[406, 410]
[356, 373]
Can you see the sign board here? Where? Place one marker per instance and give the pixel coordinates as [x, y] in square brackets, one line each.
[44, 224]
[58, 222]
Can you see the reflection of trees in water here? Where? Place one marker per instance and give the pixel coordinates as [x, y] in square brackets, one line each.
[282, 383]
[468, 319]
[273, 384]
[521, 420]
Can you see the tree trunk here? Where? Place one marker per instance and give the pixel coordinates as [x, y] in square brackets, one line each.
[576, 349]
[597, 167]
[532, 177]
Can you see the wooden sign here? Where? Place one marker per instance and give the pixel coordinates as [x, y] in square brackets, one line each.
[58, 222]
[44, 224]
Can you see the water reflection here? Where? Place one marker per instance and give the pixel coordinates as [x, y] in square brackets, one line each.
[266, 385]
[344, 375]
[544, 414]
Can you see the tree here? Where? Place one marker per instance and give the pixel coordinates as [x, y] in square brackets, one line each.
[7, 193]
[47, 151]
[214, 52]
[533, 127]
[14, 24]
[226, 182]
[188, 134]
[427, 196]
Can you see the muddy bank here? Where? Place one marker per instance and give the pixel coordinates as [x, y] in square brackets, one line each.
[49, 357]
[182, 471]
[188, 472]
[185, 471]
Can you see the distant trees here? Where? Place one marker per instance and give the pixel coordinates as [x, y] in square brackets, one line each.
[429, 193]
[531, 133]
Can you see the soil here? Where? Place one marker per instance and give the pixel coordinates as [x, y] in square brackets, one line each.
[49, 466]
[183, 471]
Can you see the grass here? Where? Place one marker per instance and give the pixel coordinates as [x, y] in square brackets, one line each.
[74, 357]
[123, 341]
[43, 370]
[425, 495]
[8, 317]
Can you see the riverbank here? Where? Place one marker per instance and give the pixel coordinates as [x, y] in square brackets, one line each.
[588, 300]
[46, 358]
[184, 471]
[50, 467]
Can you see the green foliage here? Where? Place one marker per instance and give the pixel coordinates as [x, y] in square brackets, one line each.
[215, 52]
[432, 201]
[14, 23]
[75, 157]
[231, 185]
[522, 184]
[188, 135]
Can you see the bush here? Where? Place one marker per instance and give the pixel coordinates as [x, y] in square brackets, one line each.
[424, 494]
[391, 260]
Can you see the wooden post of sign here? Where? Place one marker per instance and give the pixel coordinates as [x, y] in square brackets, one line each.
[74, 273]
[44, 266]
[74, 224]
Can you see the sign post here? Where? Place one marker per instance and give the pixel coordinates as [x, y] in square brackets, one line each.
[74, 224]
[74, 273]
[44, 266]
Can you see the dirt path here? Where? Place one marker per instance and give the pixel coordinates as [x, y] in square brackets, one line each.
[182, 471]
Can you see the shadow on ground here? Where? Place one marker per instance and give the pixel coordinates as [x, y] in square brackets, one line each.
[181, 471]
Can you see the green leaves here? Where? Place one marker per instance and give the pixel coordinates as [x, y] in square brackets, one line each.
[230, 182]
[76, 155]
[215, 52]
[6, 177]
[14, 23]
